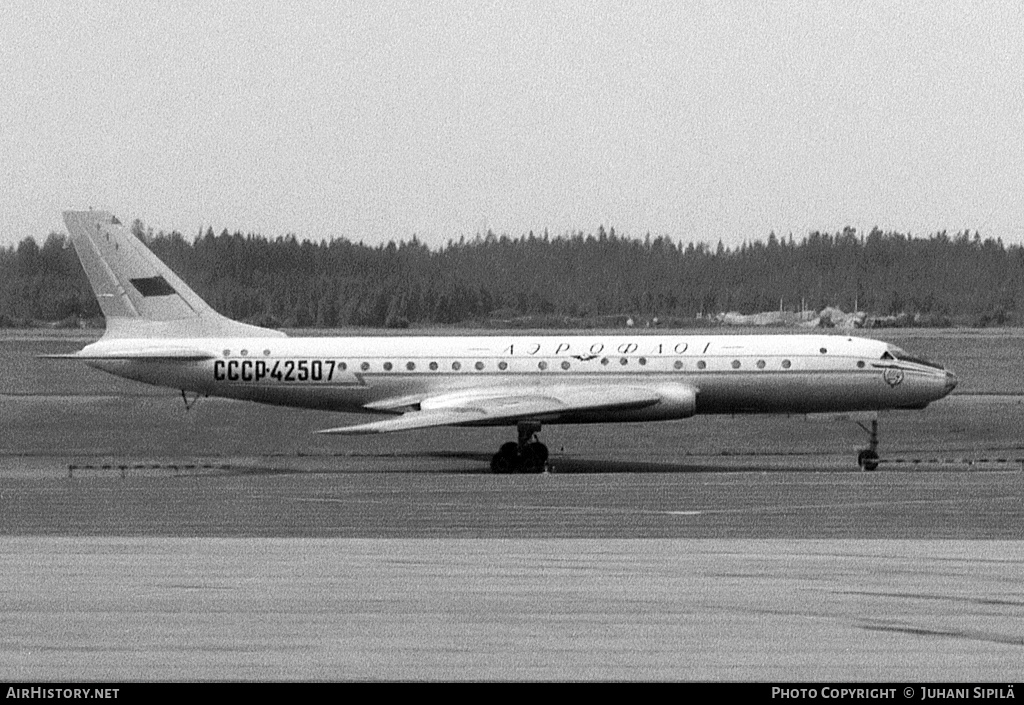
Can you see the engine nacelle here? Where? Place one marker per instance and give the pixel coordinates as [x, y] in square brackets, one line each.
[678, 401]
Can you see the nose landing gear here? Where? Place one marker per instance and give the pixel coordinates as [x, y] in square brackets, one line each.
[868, 458]
[527, 456]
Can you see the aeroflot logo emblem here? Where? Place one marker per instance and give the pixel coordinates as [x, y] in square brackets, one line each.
[893, 376]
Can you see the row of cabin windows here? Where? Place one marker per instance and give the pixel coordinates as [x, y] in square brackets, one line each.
[604, 361]
[543, 365]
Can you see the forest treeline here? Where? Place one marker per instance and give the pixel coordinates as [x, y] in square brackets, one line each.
[579, 279]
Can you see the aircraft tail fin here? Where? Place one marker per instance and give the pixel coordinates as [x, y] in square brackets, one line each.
[139, 295]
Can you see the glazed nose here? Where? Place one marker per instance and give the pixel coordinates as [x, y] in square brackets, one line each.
[951, 381]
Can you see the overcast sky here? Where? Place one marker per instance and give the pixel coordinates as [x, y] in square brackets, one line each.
[379, 120]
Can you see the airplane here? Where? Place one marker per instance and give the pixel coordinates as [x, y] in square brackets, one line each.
[160, 332]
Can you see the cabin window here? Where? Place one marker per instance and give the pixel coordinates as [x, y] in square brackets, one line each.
[642, 360]
[860, 364]
[542, 365]
[227, 353]
[433, 366]
[604, 360]
[735, 364]
[502, 365]
[678, 364]
[479, 365]
[267, 353]
[245, 352]
[342, 366]
[623, 361]
[823, 351]
[410, 366]
[786, 364]
[565, 365]
[760, 364]
[702, 365]
[365, 366]
[456, 366]
[387, 366]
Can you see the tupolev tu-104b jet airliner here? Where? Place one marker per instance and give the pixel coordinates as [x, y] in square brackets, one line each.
[160, 332]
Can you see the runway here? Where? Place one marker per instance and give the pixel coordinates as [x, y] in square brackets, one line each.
[118, 609]
[702, 504]
[275, 575]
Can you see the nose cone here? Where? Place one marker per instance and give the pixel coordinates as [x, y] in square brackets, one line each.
[951, 381]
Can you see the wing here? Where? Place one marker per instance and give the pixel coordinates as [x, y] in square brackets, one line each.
[490, 408]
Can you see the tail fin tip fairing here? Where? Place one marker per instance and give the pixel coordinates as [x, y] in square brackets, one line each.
[139, 295]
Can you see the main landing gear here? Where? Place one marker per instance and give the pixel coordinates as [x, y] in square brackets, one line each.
[527, 456]
[868, 458]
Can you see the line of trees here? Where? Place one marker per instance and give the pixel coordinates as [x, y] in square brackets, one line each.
[595, 278]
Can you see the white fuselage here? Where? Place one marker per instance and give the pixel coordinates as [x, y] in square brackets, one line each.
[729, 374]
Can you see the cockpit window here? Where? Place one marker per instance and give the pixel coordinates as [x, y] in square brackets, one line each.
[896, 353]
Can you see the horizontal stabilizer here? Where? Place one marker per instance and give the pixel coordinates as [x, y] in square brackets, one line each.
[153, 354]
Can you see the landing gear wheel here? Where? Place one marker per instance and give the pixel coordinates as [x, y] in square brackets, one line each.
[868, 460]
[534, 457]
[502, 464]
[528, 455]
[506, 460]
